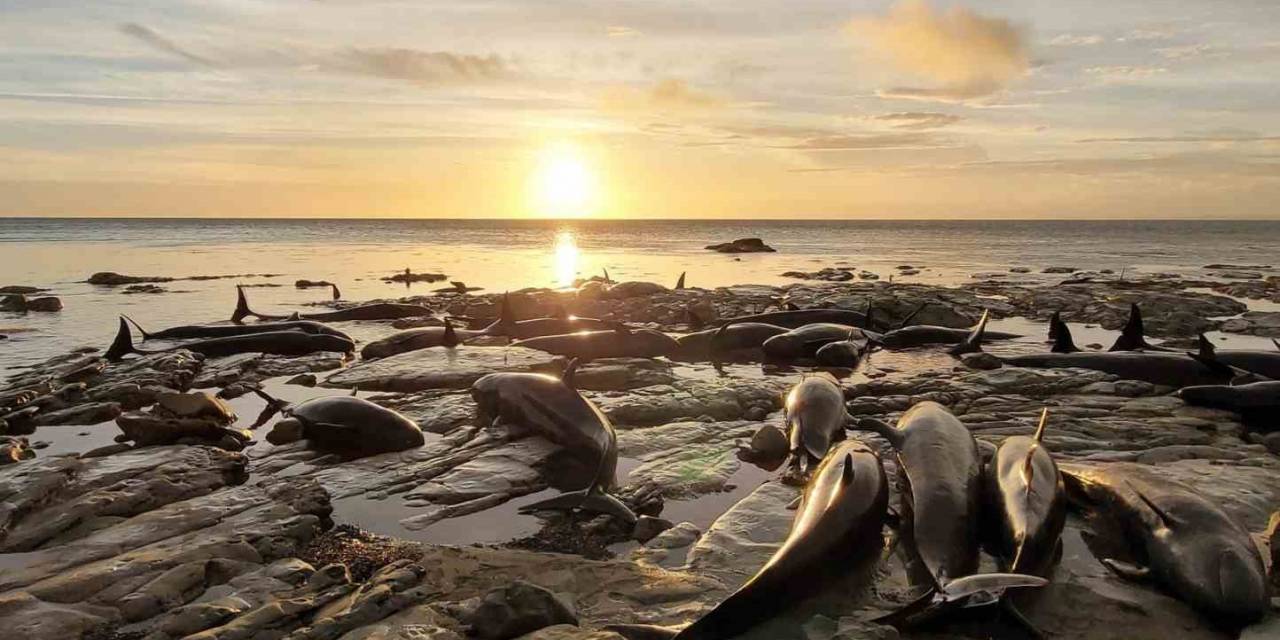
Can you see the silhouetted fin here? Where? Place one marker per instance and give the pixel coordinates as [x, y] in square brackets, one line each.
[145, 335]
[242, 306]
[1276, 343]
[1131, 336]
[1062, 342]
[607, 280]
[1207, 350]
[566, 376]
[680, 282]
[123, 344]
[973, 342]
[1055, 321]
[450, 338]
[586, 500]
[337, 293]
[1214, 364]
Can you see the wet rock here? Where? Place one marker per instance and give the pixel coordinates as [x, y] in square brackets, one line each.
[648, 527]
[1272, 536]
[143, 288]
[768, 448]
[20, 289]
[113, 279]
[90, 413]
[197, 404]
[309, 284]
[252, 368]
[148, 429]
[15, 450]
[742, 245]
[1059, 270]
[407, 277]
[677, 537]
[1020, 270]
[46, 304]
[517, 609]
[981, 360]
[727, 399]
[828, 274]
[1258, 323]
[741, 540]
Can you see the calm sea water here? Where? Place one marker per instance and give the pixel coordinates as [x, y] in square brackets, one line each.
[504, 254]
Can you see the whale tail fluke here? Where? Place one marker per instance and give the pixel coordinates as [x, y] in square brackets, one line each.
[973, 343]
[1061, 335]
[123, 343]
[592, 500]
[969, 591]
[143, 332]
[242, 307]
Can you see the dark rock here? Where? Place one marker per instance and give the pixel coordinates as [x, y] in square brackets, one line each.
[1020, 270]
[982, 361]
[1060, 270]
[408, 277]
[742, 245]
[303, 380]
[45, 304]
[648, 528]
[143, 288]
[516, 609]
[20, 289]
[113, 279]
[829, 274]
[308, 284]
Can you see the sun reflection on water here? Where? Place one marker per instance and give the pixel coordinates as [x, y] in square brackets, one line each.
[566, 258]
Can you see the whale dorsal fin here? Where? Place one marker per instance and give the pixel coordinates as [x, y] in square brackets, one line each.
[606, 276]
[1029, 469]
[680, 281]
[973, 343]
[566, 376]
[1131, 337]
[1207, 350]
[450, 338]
[1276, 343]
[1212, 362]
[846, 476]
[337, 293]
[1062, 341]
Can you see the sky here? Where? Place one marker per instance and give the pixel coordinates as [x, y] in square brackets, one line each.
[640, 108]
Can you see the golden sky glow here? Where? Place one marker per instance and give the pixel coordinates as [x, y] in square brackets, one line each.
[571, 108]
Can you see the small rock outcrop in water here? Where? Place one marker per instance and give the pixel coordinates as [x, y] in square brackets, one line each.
[409, 277]
[22, 304]
[828, 274]
[742, 245]
[113, 279]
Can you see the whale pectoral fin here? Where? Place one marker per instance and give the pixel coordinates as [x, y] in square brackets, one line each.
[1127, 570]
[992, 585]
[586, 500]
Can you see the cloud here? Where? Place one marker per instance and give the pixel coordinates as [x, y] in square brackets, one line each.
[1219, 136]
[667, 95]
[1124, 73]
[916, 120]
[421, 67]
[1192, 51]
[1147, 35]
[161, 43]
[1073, 40]
[619, 31]
[863, 142]
[964, 54]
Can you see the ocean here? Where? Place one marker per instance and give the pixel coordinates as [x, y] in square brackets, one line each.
[511, 254]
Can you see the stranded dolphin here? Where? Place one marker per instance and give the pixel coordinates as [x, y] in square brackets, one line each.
[1182, 540]
[281, 343]
[224, 330]
[906, 337]
[1263, 363]
[551, 407]
[815, 417]
[343, 424]
[415, 339]
[620, 342]
[376, 311]
[557, 324]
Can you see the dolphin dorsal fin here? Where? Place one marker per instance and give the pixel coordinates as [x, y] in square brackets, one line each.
[450, 338]
[1211, 361]
[1029, 469]
[846, 476]
[145, 335]
[1062, 341]
[355, 390]
[1044, 420]
[1131, 336]
[566, 376]
[680, 281]
[973, 343]
[606, 275]
[1276, 343]
[337, 293]
[1207, 349]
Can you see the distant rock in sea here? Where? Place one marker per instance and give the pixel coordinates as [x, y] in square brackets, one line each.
[743, 245]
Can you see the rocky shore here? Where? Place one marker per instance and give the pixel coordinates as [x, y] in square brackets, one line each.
[169, 519]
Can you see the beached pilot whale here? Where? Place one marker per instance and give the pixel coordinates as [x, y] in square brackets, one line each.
[340, 424]
[1132, 337]
[940, 466]
[1258, 403]
[1157, 367]
[907, 337]
[558, 323]
[416, 339]
[1263, 363]
[188, 332]
[815, 417]
[731, 342]
[804, 342]
[837, 527]
[796, 318]
[376, 311]
[1183, 541]
[619, 342]
[549, 406]
[280, 343]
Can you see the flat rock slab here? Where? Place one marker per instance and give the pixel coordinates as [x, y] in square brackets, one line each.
[439, 368]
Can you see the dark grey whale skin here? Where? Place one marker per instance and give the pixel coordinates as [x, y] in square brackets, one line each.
[376, 311]
[354, 425]
[283, 343]
[838, 524]
[1189, 545]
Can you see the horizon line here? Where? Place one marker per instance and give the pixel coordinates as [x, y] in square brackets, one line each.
[645, 219]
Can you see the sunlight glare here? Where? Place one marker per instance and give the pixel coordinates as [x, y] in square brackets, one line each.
[565, 186]
[566, 259]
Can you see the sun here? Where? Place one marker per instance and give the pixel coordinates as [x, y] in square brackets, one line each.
[563, 183]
